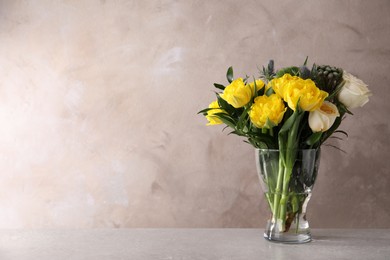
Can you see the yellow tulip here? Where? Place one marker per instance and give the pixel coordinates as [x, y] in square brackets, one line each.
[259, 84]
[214, 120]
[237, 93]
[267, 110]
[279, 84]
[293, 88]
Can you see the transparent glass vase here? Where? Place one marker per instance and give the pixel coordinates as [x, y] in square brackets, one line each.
[287, 191]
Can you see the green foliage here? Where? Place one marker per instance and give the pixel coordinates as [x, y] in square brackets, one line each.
[294, 71]
[294, 130]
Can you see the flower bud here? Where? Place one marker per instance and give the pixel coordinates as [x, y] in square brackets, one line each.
[322, 119]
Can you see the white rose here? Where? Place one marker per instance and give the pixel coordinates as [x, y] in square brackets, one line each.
[354, 93]
[323, 118]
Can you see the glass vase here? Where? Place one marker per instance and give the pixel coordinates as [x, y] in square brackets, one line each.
[287, 191]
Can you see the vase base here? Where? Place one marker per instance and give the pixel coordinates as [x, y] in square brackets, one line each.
[288, 238]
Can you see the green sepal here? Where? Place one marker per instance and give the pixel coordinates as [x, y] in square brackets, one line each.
[343, 109]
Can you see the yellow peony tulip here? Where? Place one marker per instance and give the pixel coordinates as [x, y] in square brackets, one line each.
[259, 85]
[266, 110]
[214, 120]
[237, 93]
[279, 84]
[293, 88]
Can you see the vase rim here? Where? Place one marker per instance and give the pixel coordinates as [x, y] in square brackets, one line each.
[277, 150]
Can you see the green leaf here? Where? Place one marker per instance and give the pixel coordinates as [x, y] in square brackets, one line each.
[223, 104]
[336, 91]
[254, 88]
[341, 131]
[282, 136]
[289, 123]
[292, 141]
[269, 124]
[243, 118]
[343, 109]
[234, 132]
[314, 138]
[261, 91]
[219, 86]
[262, 138]
[269, 92]
[229, 74]
[338, 148]
[304, 64]
[293, 71]
[336, 137]
[288, 137]
[331, 130]
[204, 111]
[226, 119]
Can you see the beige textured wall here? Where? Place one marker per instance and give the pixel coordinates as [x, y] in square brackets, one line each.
[98, 102]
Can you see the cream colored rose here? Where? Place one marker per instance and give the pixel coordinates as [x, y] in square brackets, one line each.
[323, 118]
[354, 93]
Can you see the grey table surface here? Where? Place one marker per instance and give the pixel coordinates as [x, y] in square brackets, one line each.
[188, 244]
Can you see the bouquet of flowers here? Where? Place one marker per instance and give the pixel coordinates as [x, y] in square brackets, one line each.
[289, 109]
